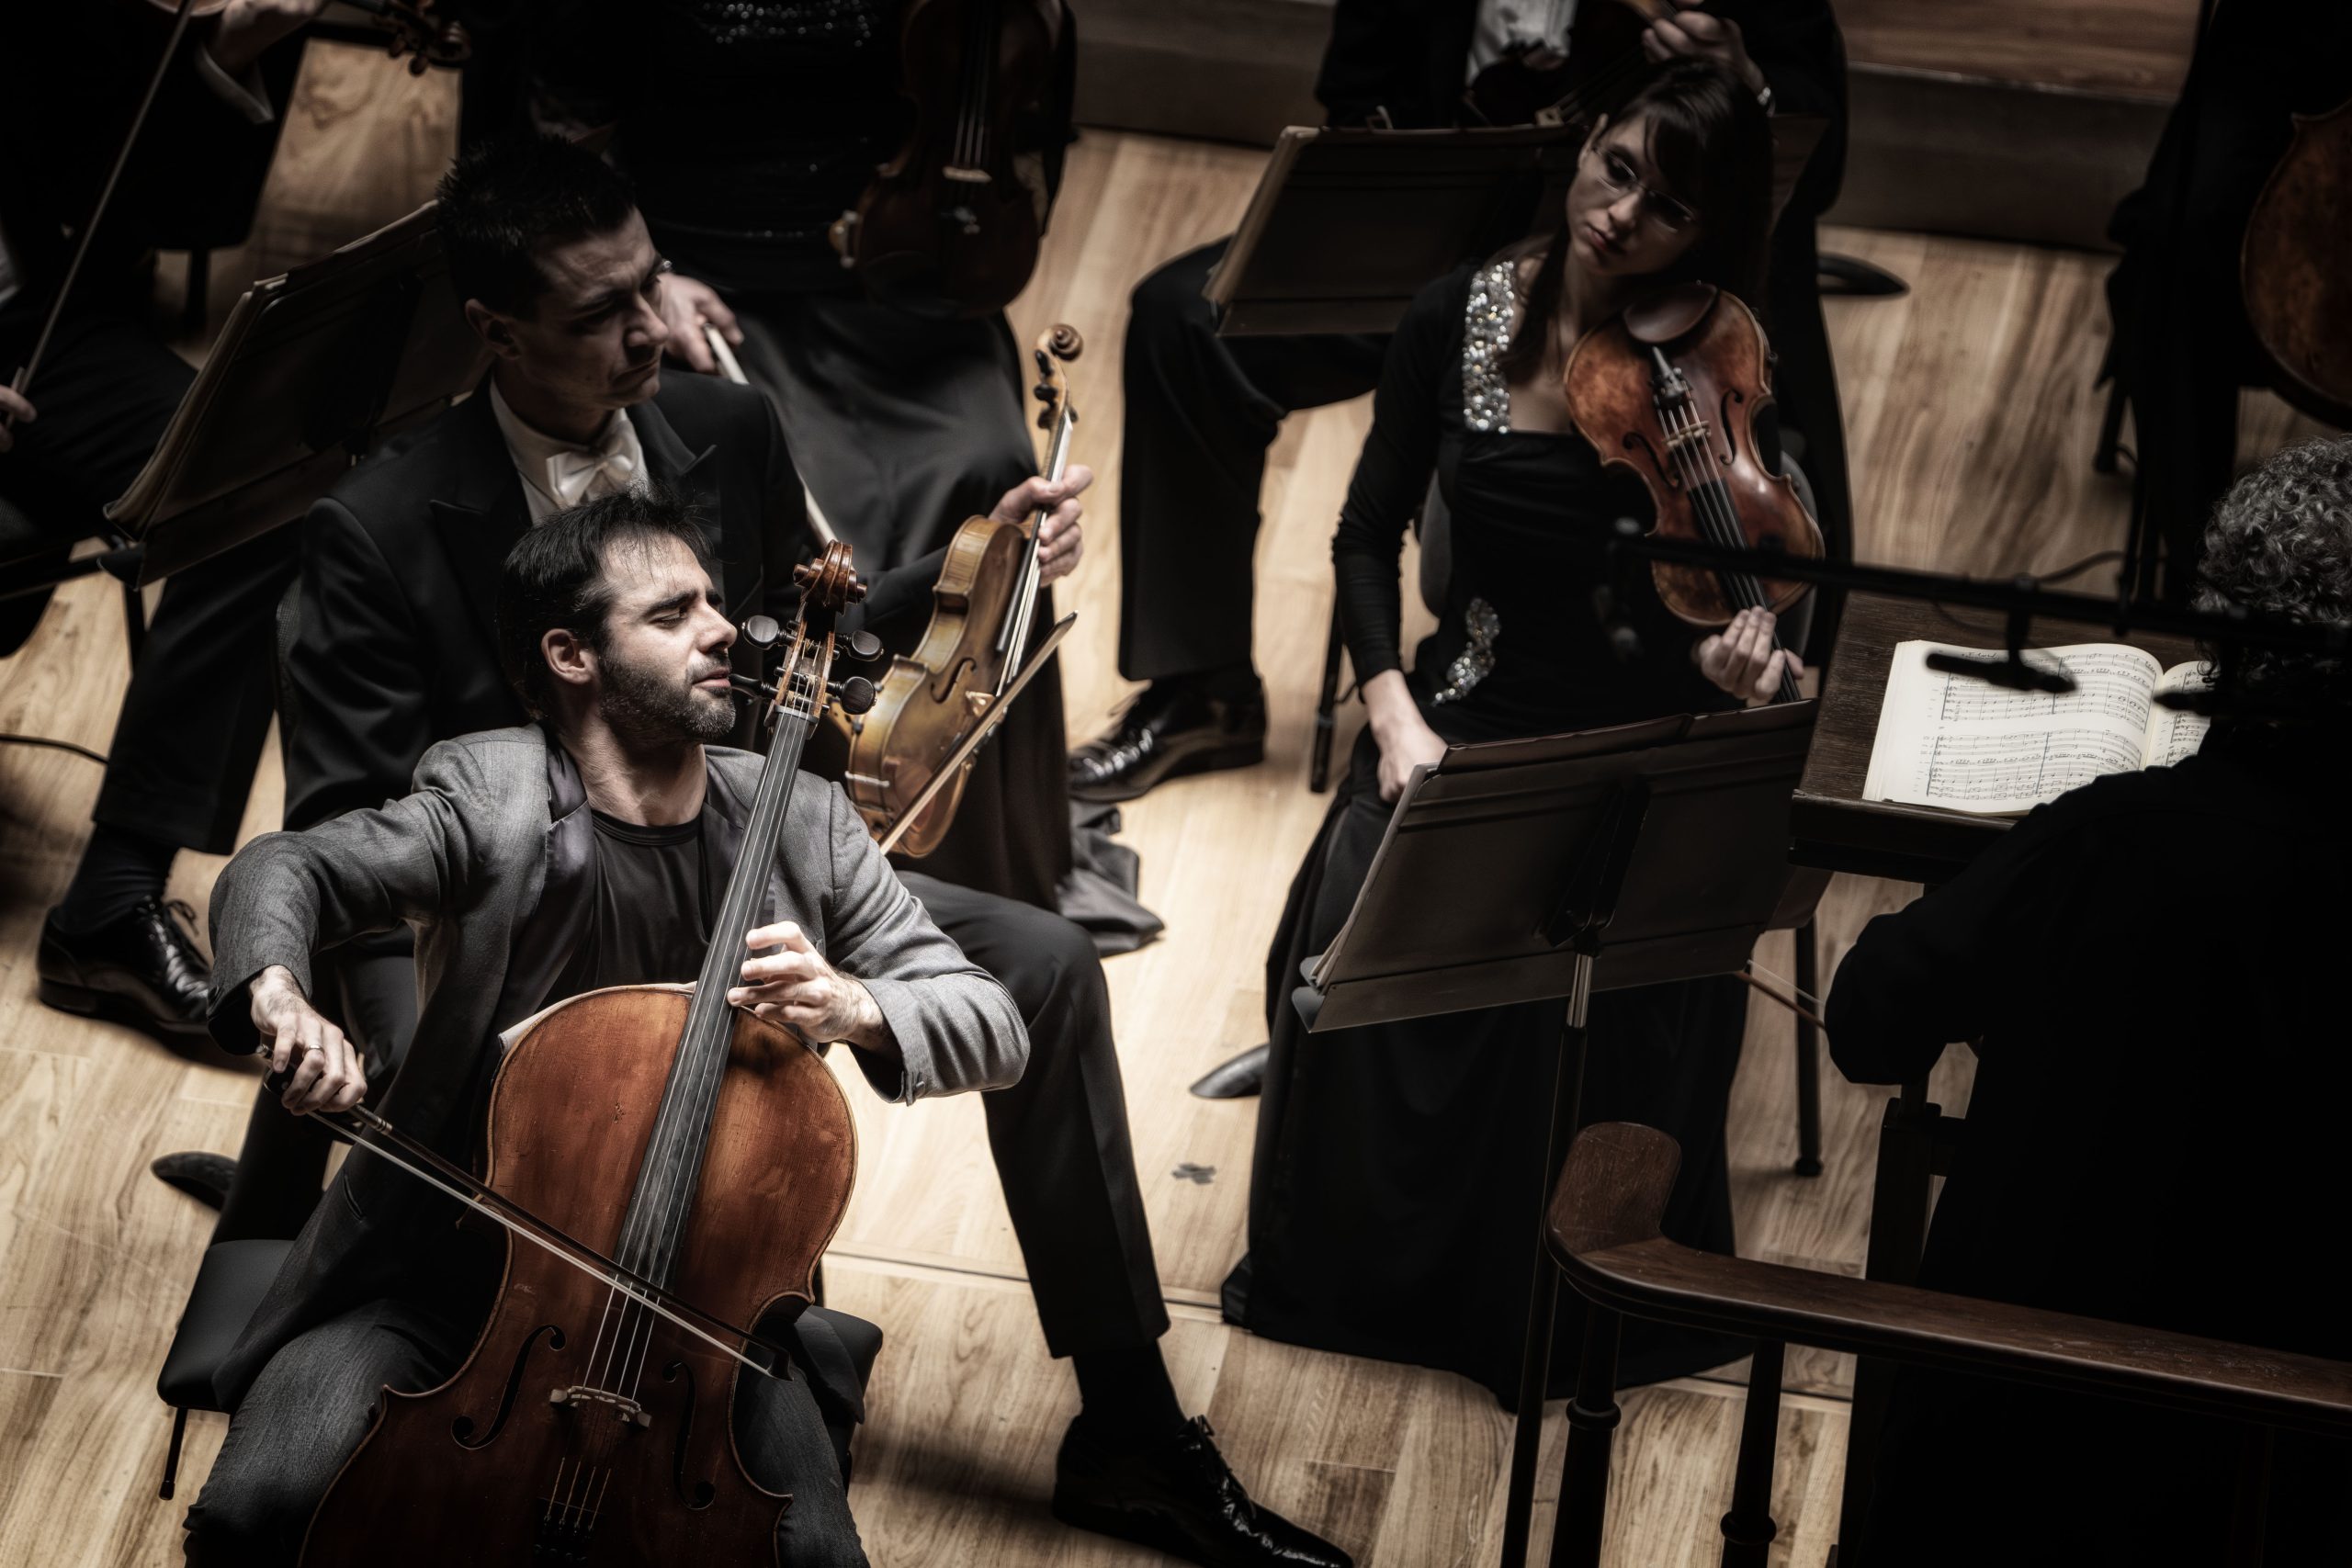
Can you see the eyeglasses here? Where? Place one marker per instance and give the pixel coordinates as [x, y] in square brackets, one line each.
[1618, 177]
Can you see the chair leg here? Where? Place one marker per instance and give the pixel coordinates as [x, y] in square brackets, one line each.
[1808, 1057]
[1748, 1529]
[1593, 1414]
[172, 1455]
[2249, 1512]
[2110, 429]
[1318, 768]
[194, 309]
[134, 622]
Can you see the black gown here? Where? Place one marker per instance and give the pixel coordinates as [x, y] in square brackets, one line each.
[1393, 1201]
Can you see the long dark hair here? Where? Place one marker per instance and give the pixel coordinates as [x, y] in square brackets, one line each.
[1712, 144]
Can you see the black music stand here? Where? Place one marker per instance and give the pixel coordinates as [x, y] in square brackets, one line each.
[312, 370]
[1523, 870]
[1346, 225]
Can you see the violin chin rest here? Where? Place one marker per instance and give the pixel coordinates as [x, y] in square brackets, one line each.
[1670, 312]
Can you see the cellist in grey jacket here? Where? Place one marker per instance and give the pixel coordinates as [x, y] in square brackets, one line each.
[535, 863]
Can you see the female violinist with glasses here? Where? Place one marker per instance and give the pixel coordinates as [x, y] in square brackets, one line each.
[1388, 1209]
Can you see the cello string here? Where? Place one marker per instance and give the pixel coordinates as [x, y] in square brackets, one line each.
[707, 1073]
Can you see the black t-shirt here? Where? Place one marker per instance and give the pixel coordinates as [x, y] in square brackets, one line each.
[650, 897]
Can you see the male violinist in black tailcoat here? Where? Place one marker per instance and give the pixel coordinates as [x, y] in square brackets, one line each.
[2149, 969]
[1201, 410]
[396, 652]
[750, 127]
[197, 707]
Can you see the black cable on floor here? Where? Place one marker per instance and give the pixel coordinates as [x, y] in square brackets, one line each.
[97, 757]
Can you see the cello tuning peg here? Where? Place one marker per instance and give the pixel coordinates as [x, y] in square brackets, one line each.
[751, 688]
[855, 694]
[762, 632]
[865, 647]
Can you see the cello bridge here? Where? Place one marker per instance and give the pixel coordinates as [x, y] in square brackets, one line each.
[625, 1410]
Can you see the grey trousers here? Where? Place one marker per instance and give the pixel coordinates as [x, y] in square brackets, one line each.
[316, 1399]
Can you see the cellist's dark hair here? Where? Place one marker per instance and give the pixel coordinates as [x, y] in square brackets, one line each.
[513, 197]
[1710, 142]
[559, 575]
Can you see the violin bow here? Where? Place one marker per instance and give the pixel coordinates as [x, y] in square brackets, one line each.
[24, 379]
[979, 732]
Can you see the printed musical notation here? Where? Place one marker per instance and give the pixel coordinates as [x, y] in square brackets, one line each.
[1951, 740]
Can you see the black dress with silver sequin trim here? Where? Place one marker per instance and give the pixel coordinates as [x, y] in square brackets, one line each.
[1392, 1201]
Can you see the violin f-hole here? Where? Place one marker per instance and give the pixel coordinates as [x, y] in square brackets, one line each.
[1636, 441]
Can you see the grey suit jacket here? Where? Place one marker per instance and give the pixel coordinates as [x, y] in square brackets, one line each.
[488, 861]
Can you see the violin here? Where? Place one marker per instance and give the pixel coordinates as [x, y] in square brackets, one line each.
[953, 219]
[680, 1165]
[2291, 263]
[983, 609]
[1670, 390]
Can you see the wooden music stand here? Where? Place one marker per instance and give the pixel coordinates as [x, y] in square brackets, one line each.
[313, 368]
[1346, 225]
[1524, 870]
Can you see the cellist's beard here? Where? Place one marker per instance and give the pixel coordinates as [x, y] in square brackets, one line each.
[656, 706]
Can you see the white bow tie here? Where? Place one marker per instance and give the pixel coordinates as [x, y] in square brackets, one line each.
[577, 475]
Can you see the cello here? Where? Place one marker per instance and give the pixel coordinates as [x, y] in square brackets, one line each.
[2290, 268]
[681, 1165]
[983, 609]
[1670, 390]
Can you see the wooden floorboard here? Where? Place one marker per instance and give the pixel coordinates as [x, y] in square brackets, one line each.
[1972, 418]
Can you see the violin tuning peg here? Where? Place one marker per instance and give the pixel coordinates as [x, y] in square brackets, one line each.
[762, 632]
[855, 694]
[865, 647]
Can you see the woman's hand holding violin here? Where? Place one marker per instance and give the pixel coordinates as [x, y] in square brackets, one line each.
[1404, 737]
[1743, 660]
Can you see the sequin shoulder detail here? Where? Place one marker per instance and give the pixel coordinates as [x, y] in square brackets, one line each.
[1487, 320]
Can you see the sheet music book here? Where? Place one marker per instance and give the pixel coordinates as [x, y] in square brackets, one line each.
[1952, 740]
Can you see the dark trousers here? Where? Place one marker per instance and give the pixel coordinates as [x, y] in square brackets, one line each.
[1059, 1137]
[317, 1398]
[1201, 410]
[197, 708]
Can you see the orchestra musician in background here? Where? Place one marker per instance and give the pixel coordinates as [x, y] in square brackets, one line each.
[1359, 1195]
[197, 709]
[1201, 410]
[750, 128]
[2150, 988]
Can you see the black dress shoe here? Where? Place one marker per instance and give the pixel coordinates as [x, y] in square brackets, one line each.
[203, 1177]
[1171, 729]
[143, 970]
[1177, 1495]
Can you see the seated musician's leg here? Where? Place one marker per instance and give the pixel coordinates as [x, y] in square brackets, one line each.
[301, 1421]
[780, 1434]
[1131, 1465]
[193, 719]
[1059, 1137]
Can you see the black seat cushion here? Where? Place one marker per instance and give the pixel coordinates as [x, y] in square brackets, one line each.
[229, 1285]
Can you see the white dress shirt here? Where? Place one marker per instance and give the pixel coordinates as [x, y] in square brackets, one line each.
[558, 473]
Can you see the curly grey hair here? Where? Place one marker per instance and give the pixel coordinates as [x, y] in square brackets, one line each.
[2280, 544]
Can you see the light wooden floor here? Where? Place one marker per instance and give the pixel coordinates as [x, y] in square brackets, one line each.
[1972, 418]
